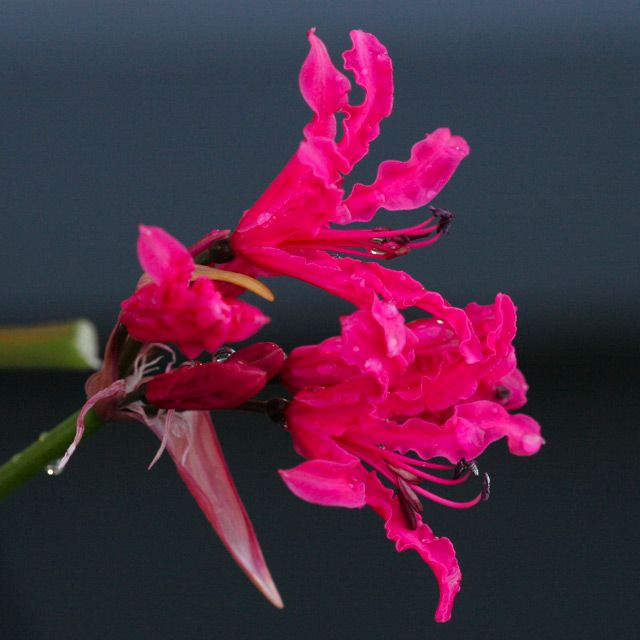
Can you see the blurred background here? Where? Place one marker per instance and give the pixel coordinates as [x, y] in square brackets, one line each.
[179, 114]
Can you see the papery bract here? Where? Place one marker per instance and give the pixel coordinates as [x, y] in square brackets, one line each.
[189, 436]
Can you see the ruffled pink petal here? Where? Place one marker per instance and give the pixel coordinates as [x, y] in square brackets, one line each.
[437, 553]
[333, 411]
[373, 71]
[457, 319]
[163, 257]
[301, 200]
[196, 318]
[327, 483]
[198, 457]
[214, 385]
[244, 321]
[516, 388]
[317, 365]
[323, 87]
[346, 278]
[376, 341]
[410, 184]
[466, 434]
[322, 157]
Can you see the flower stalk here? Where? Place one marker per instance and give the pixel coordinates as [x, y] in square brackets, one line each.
[71, 345]
[49, 446]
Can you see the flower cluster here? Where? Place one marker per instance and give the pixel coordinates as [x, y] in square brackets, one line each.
[382, 413]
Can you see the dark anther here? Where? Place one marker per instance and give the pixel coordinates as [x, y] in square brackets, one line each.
[486, 486]
[460, 469]
[502, 393]
[223, 354]
[276, 409]
[218, 252]
[445, 218]
[463, 466]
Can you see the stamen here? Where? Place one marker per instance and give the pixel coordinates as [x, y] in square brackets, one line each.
[445, 219]
[463, 466]
[404, 474]
[486, 486]
[421, 475]
[449, 503]
[409, 503]
[416, 461]
[381, 242]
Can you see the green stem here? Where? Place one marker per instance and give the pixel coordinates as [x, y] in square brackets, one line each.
[57, 345]
[50, 446]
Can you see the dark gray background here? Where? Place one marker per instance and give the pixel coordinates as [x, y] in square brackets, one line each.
[179, 114]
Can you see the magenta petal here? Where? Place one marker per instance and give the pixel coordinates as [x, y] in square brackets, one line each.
[516, 389]
[196, 452]
[331, 484]
[436, 552]
[267, 356]
[373, 70]
[458, 320]
[471, 428]
[410, 184]
[214, 385]
[244, 321]
[347, 278]
[323, 87]
[163, 257]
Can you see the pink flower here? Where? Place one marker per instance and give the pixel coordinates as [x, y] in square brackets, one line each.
[288, 230]
[395, 396]
[175, 304]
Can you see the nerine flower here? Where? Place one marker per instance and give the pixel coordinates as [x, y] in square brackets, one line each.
[387, 407]
[178, 301]
[291, 229]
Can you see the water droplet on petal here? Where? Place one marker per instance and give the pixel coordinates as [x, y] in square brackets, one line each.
[223, 354]
[263, 218]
